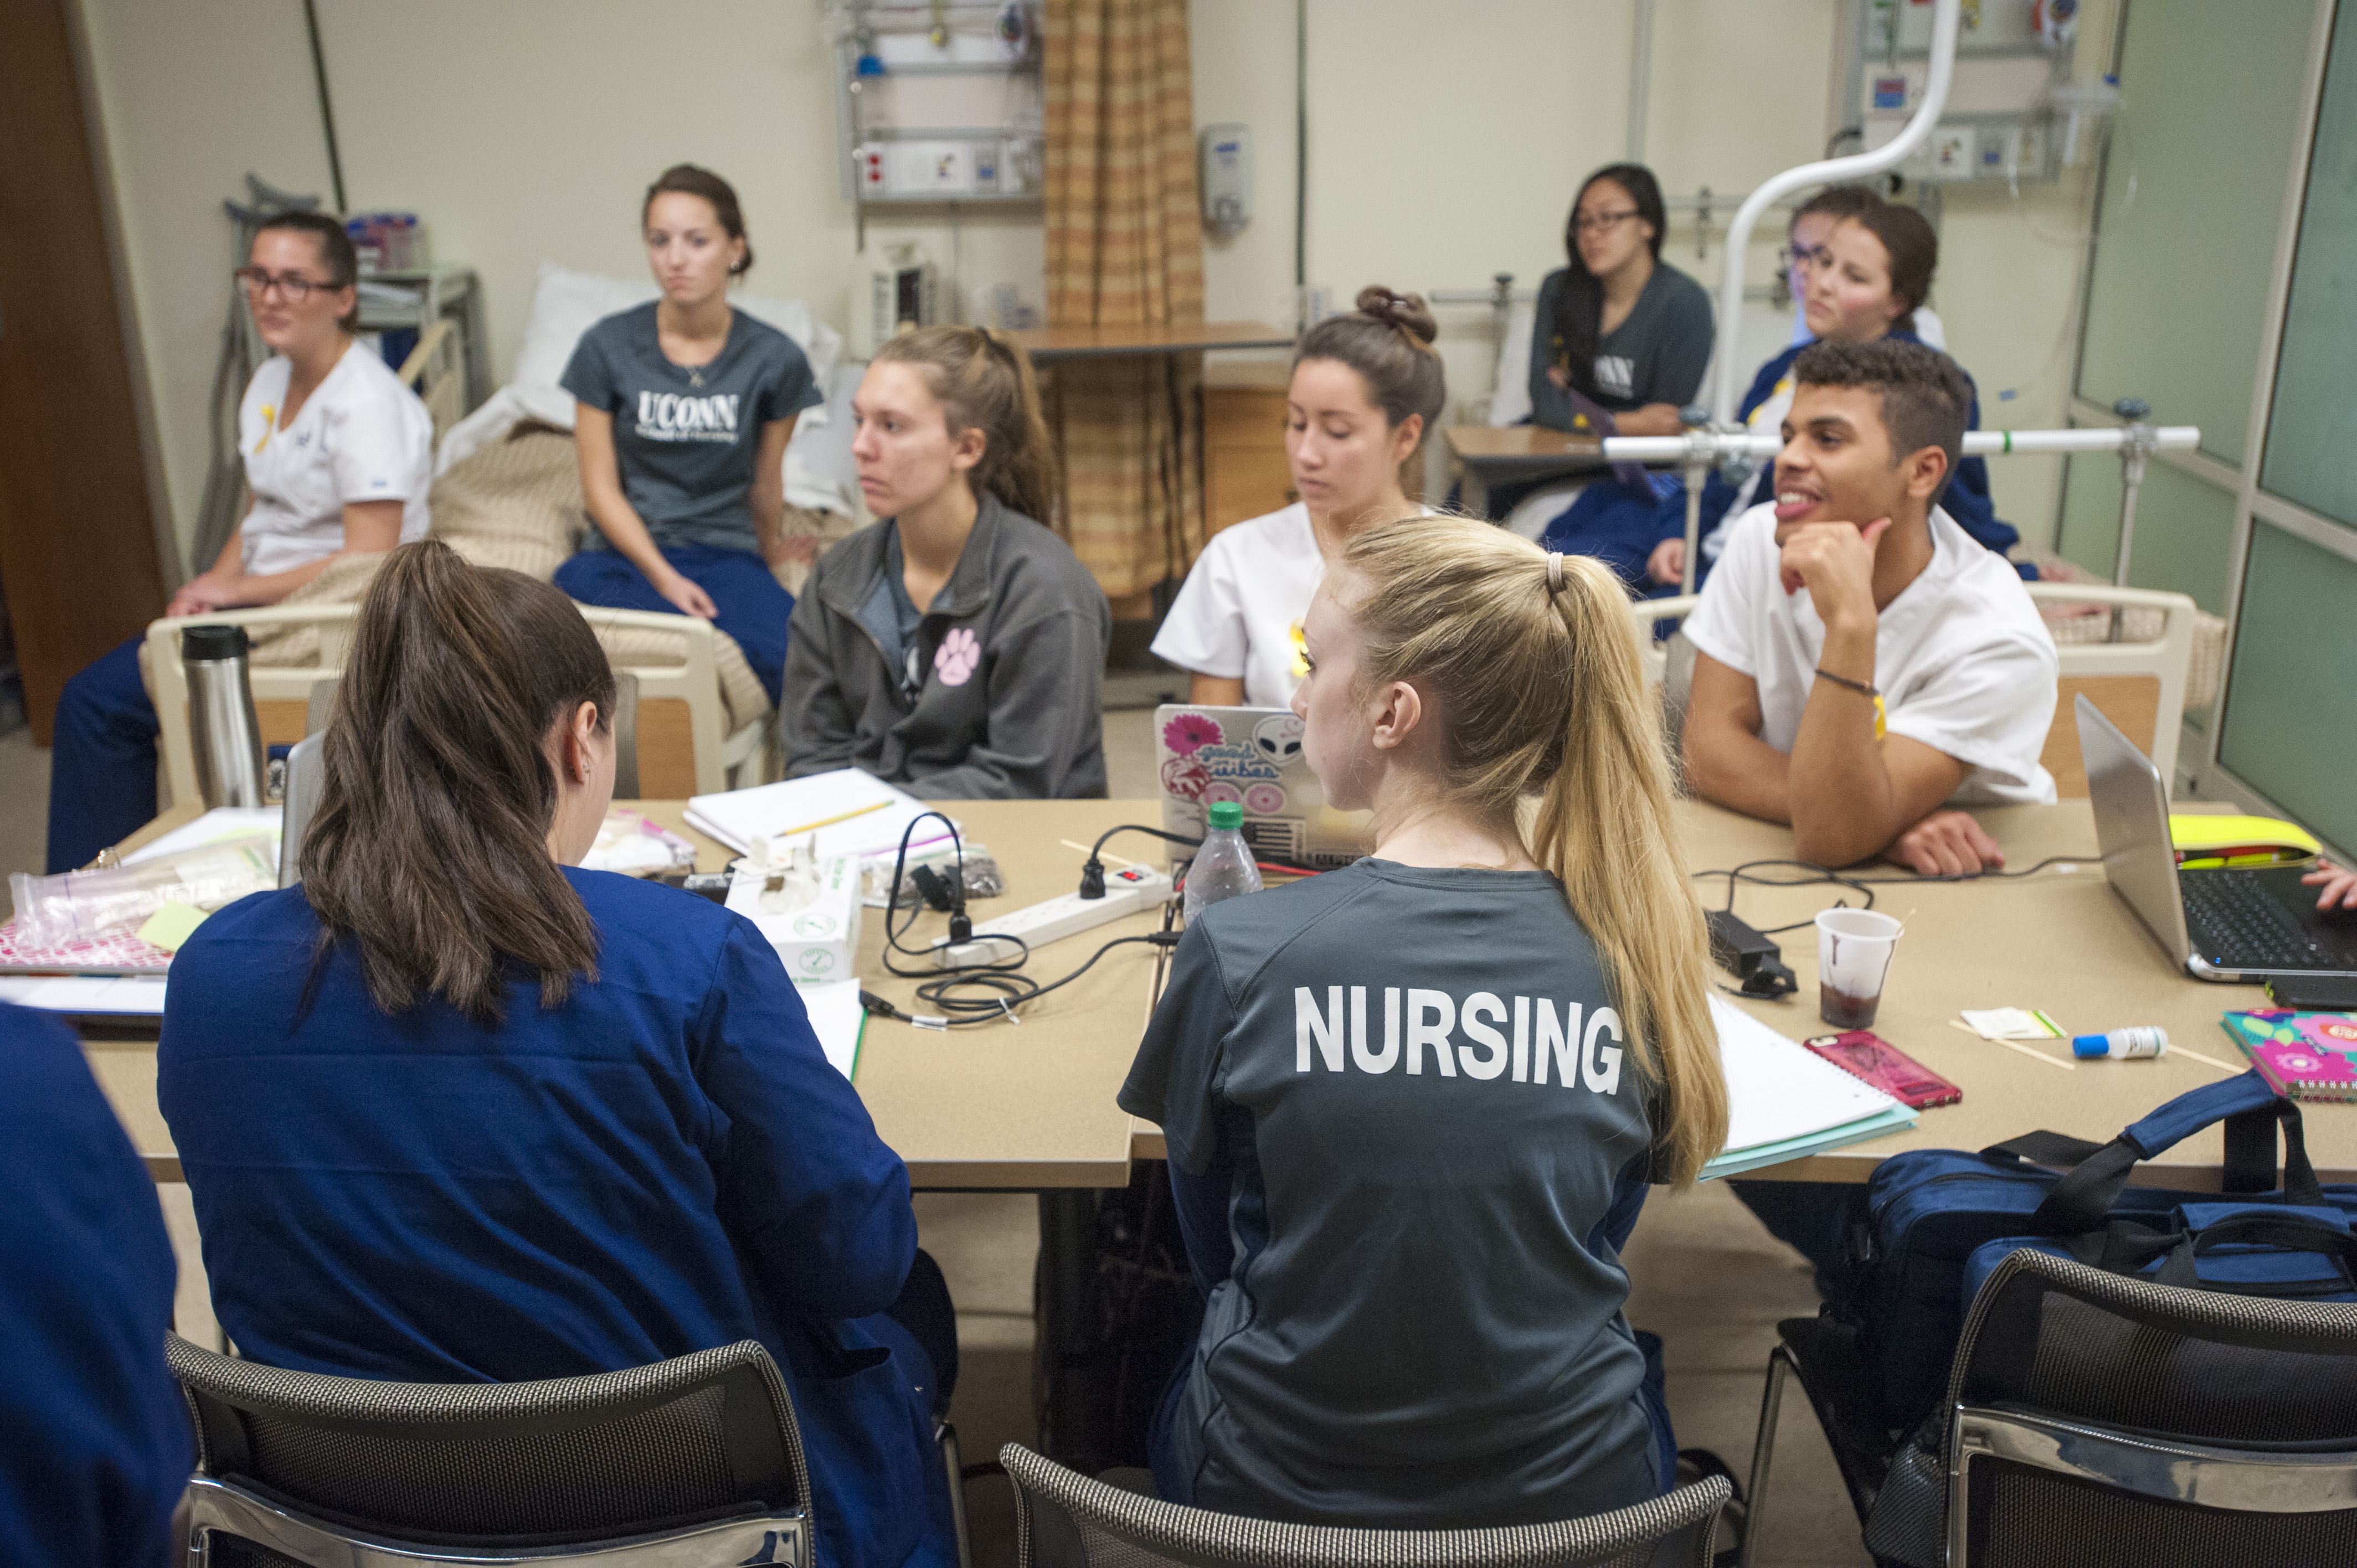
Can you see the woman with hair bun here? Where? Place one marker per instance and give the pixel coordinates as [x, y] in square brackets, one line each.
[453, 1109]
[1366, 390]
[957, 648]
[683, 409]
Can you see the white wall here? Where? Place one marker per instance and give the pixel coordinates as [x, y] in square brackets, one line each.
[1445, 144]
[522, 131]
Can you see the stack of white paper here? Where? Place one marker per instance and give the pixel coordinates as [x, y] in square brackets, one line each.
[1785, 1103]
[850, 812]
[837, 1019]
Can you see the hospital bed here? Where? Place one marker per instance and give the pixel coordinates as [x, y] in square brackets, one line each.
[507, 492]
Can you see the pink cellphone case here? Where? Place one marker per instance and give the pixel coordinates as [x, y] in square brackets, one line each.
[1863, 1054]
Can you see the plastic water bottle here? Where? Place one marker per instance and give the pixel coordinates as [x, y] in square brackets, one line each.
[1223, 867]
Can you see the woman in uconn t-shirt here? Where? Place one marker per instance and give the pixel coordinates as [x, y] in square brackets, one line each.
[686, 404]
[1413, 1105]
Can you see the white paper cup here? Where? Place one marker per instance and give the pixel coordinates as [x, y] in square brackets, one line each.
[1854, 948]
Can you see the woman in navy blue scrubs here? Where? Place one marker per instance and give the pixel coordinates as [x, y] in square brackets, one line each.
[454, 1110]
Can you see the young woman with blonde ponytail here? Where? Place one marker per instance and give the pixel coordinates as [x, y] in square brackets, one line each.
[1413, 1105]
[955, 649]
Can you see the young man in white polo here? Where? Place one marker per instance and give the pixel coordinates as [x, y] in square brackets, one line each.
[1865, 665]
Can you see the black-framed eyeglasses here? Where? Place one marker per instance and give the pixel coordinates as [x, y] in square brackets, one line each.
[294, 288]
[1602, 222]
[1792, 256]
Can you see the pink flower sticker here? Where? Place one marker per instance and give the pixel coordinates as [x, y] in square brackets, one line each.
[955, 659]
[1189, 732]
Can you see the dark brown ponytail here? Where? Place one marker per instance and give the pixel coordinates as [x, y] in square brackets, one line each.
[1388, 340]
[983, 379]
[1911, 245]
[429, 851]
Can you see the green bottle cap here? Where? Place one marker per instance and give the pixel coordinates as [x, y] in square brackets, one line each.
[1227, 815]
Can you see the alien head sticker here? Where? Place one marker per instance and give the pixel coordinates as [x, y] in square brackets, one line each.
[1278, 737]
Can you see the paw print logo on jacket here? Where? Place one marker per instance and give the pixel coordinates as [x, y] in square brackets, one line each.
[956, 660]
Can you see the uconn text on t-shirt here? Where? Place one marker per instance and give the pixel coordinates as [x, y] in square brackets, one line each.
[673, 416]
[1414, 1019]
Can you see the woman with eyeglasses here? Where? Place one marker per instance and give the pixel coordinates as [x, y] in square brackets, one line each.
[1618, 326]
[339, 456]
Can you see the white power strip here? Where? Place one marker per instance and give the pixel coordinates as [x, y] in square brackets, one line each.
[1127, 891]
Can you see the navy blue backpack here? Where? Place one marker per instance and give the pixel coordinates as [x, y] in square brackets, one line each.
[1937, 1221]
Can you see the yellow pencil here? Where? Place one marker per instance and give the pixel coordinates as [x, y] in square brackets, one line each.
[829, 822]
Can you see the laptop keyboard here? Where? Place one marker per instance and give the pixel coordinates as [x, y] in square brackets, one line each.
[2235, 925]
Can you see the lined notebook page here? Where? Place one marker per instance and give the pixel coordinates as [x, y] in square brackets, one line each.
[1776, 1089]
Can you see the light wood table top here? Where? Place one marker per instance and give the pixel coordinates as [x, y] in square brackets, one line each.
[1031, 1105]
[1047, 344]
[2062, 941]
[1521, 443]
[1017, 1106]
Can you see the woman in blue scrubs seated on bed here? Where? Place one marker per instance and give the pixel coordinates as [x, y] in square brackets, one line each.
[684, 407]
[1863, 283]
[338, 455]
[1406, 1222]
[453, 1110]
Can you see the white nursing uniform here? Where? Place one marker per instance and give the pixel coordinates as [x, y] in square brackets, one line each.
[1963, 663]
[1238, 613]
[359, 437]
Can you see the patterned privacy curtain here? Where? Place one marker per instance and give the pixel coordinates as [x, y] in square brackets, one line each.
[1125, 248]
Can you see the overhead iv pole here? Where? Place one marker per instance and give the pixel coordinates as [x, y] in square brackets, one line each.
[1713, 434]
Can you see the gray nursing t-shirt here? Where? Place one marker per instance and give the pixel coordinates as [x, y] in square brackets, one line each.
[1420, 1094]
[687, 438]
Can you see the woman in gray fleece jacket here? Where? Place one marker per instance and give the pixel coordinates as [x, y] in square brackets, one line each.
[955, 649]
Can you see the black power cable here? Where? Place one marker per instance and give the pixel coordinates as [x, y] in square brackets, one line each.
[1002, 982]
[1817, 875]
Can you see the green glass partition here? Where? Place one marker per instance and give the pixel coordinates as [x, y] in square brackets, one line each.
[2193, 186]
[2291, 721]
[2184, 530]
[2312, 422]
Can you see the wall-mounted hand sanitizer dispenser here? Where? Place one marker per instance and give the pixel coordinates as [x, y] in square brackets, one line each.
[1225, 171]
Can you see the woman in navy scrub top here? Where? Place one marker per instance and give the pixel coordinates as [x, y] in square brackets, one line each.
[453, 1109]
[683, 409]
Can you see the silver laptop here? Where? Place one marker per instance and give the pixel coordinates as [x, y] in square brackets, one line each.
[2238, 925]
[1252, 756]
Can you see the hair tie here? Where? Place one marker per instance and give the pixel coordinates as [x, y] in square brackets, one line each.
[1555, 571]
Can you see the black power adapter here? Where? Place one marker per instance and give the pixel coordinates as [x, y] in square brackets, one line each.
[1751, 958]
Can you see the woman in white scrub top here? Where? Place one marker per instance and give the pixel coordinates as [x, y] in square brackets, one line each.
[338, 457]
[1365, 388]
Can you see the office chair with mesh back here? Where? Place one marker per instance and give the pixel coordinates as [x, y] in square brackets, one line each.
[691, 1461]
[2093, 1417]
[1064, 1519]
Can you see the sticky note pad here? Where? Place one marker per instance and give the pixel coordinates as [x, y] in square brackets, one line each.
[170, 927]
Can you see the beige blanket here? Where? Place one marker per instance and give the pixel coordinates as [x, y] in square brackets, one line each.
[517, 503]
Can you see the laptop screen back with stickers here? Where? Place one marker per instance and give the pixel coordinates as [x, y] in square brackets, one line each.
[1252, 756]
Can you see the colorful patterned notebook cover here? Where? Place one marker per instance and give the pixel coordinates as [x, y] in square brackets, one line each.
[2307, 1056]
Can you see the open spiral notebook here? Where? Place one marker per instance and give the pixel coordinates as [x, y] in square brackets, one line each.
[1785, 1103]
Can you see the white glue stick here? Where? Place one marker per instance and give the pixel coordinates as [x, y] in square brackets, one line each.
[2120, 1044]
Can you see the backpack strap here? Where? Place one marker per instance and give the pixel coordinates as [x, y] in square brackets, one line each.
[2081, 1199]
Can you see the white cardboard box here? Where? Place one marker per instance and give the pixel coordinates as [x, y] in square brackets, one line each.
[820, 941]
